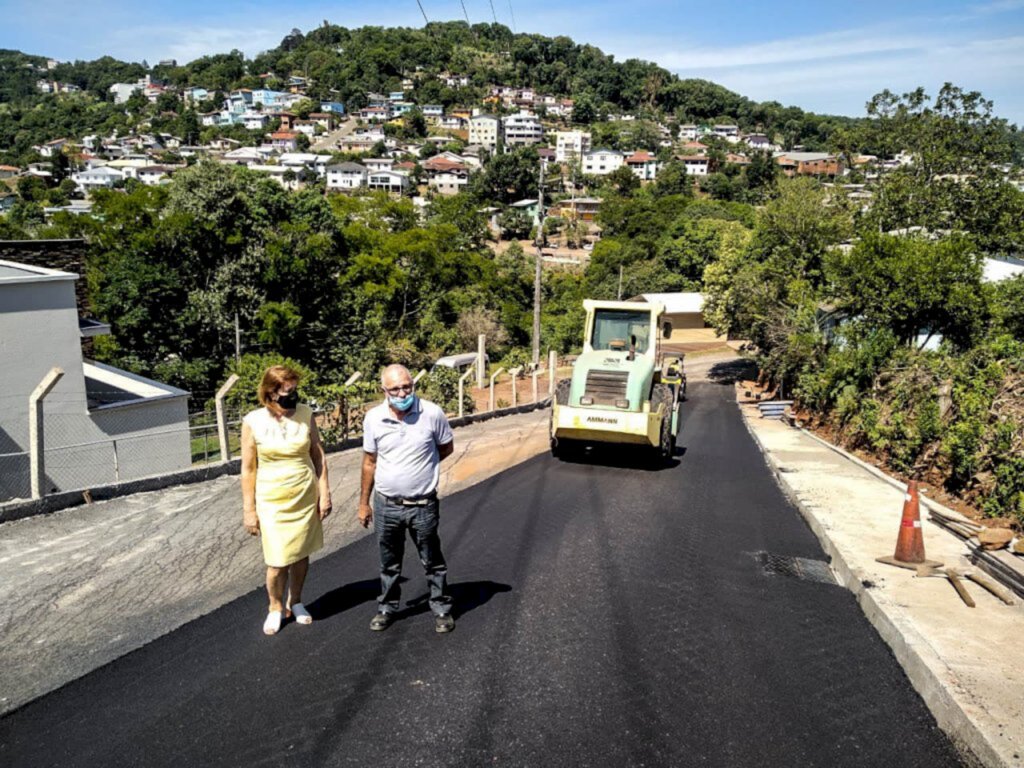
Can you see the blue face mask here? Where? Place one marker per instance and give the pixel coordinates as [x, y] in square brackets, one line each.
[402, 403]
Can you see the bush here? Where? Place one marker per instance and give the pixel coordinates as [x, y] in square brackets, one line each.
[441, 386]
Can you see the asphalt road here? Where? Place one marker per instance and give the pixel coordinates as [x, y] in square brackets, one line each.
[609, 615]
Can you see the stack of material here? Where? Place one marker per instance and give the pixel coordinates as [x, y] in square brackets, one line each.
[987, 546]
[774, 409]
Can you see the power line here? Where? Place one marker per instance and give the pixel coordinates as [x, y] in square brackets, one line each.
[425, 19]
[493, 13]
[512, 14]
[465, 12]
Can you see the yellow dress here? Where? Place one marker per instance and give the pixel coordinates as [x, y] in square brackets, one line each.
[286, 486]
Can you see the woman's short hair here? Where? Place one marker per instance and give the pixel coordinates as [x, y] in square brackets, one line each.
[273, 378]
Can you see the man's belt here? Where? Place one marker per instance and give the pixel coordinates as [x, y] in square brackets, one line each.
[411, 501]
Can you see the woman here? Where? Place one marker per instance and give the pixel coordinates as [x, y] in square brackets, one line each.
[285, 492]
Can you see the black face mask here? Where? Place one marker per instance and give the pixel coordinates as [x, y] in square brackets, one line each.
[288, 401]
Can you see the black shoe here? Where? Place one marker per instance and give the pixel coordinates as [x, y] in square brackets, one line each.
[444, 623]
[381, 621]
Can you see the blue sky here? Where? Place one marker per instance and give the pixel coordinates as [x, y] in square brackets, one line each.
[826, 57]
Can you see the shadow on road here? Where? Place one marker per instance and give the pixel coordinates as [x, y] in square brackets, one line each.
[732, 371]
[344, 598]
[466, 596]
[621, 457]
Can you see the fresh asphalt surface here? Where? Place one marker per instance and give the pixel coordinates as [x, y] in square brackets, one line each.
[608, 616]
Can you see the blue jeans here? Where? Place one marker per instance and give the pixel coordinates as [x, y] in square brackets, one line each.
[390, 522]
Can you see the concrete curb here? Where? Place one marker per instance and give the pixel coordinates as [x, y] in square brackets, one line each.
[925, 669]
[21, 508]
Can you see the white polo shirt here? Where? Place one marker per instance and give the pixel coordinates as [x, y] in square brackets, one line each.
[408, 462]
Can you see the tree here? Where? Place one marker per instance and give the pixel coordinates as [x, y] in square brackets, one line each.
[911, 285]
[624, 180]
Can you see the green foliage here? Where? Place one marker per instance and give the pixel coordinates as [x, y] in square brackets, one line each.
[910, 285]
[441, 386]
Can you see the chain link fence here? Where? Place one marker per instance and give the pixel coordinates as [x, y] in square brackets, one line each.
[104, 438]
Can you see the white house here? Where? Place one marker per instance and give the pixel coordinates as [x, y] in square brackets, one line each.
[445, 176]
[727, 132]
[484, 130]
[601, 162]
[346, 176]
[643, 164]
[522, 128]
[379, 163]
[388, 181]
[254, 121]
[696, 165]
[102, 177]
[151, 175]
[571, 145]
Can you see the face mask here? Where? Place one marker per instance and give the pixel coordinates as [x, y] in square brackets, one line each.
[403, 403]
[288, 401]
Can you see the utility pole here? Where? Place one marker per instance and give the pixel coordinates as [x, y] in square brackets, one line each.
[238, 340]
[536, 270]
[620, 282]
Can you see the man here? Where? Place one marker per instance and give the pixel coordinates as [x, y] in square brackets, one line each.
[405, 439]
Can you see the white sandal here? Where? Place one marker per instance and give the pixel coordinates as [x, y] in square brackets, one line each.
[301, 614]
[273, 623]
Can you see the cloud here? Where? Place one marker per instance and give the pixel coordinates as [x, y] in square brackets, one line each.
[860, 42]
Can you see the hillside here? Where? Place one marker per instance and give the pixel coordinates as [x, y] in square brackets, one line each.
[345, 64]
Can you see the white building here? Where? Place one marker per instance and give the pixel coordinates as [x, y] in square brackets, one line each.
[727, 132]
[484, 130]
[346, 176]
[522, 129]
[601, 162]
[696, 165]
[571, 145]
[388, 181]
[643, 164]
[102, 177]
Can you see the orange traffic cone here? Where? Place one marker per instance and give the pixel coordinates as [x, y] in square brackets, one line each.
[910, 542]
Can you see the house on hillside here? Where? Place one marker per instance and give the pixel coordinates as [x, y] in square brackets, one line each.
[484, 130]
[102, 177]
[522, 129]
[570, 146]
[388, 181]
[102, 425]
[809, 164]
[643, 164]
[686, 313]
[346, 176]
[601, 162]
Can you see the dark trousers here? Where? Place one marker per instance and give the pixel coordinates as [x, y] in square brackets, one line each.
[390, 522]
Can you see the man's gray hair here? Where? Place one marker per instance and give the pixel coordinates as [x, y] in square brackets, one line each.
[395, 369]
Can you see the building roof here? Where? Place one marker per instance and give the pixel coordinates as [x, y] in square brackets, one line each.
[347, 168]
[640, 156]
[805, 157]
[677, 303]
[16, 272]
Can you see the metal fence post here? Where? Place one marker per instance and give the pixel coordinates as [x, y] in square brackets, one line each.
[36, 439]
[462, 384]
[494, 375]
[515, 375]
[481, 367]
[536, 371]
[552, 371]
[117, 465]
[345, 402]
[222, 417]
